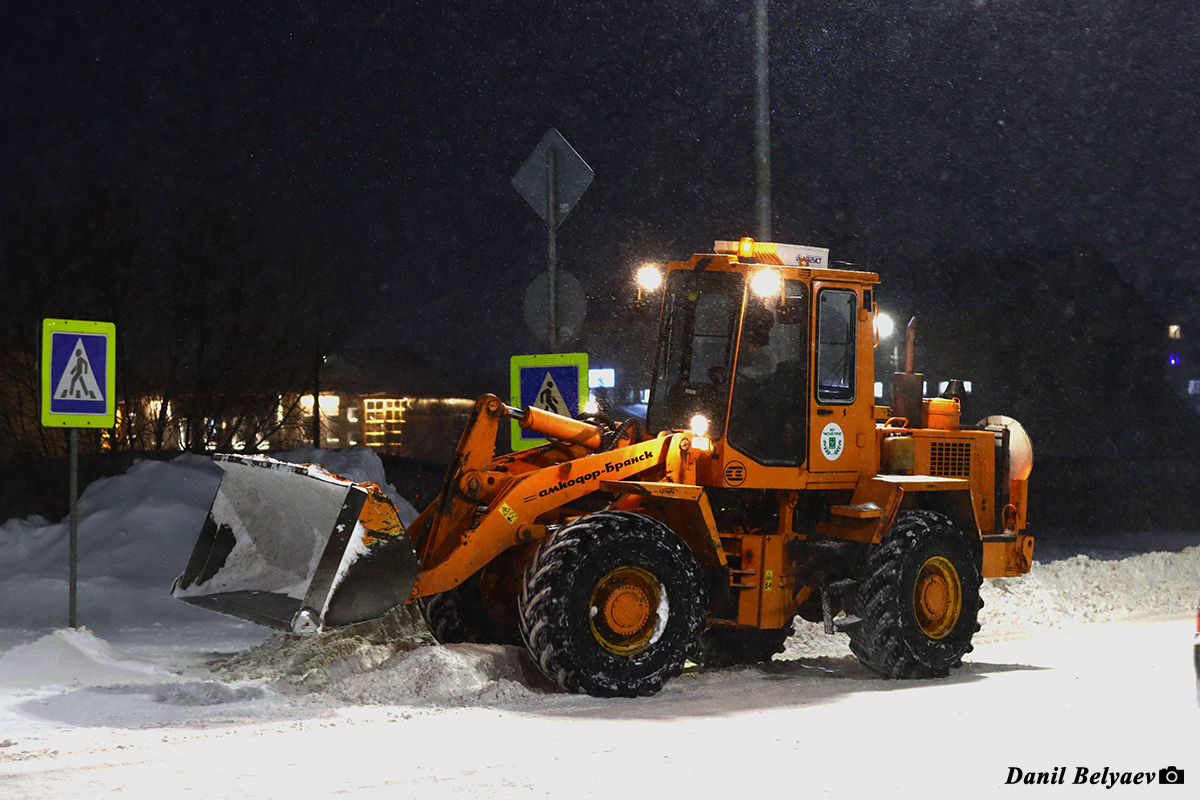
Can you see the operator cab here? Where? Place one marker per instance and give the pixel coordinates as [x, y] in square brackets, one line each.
[735, 354]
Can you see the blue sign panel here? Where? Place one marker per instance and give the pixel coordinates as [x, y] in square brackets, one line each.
[78, 373]
[553, 389]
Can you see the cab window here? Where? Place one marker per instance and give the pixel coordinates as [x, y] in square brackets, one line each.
[837, 317]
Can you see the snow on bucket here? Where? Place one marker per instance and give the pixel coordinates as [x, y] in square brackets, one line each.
[297, 548]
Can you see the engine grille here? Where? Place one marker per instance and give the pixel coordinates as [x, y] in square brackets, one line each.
[950, 459]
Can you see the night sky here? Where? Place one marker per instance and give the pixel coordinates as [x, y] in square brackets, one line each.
[904, 136]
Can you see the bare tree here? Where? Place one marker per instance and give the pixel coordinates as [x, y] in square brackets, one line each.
[217, 335]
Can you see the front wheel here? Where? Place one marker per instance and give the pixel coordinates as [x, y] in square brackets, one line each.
[461, 615]
[613, 605]
[919, 603]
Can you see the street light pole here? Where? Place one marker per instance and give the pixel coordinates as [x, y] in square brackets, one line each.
[762, 125]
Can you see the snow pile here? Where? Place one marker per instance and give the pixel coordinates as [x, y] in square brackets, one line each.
[136, 532]
[359, 464]
[452, 674]
[1080, 590]
[72, 657]
[362, 669]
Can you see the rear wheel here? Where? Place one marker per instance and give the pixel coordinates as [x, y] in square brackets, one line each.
[728, 647]
[612, 605]
[919, 603]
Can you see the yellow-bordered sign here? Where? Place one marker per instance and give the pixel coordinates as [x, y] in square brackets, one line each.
[555, 382]
[79, 373]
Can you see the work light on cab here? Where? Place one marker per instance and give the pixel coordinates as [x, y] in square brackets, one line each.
[766, 283]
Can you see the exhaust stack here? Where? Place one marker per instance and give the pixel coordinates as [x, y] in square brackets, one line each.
[908, 387]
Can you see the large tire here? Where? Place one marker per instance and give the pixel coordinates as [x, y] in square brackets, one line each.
[728, 647]
[613, 605]
[919, 603]
[459, 615]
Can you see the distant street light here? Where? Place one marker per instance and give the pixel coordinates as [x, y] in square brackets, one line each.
[649, 277]
[884, 325]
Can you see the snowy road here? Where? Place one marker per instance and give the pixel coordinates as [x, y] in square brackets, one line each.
[1119, 696]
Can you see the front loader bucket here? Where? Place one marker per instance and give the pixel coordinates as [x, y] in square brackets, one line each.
[298, 548]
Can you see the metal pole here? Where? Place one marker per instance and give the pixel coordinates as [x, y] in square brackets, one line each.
[74, 524]
[552, 255]
[762, 125]
[316, 415]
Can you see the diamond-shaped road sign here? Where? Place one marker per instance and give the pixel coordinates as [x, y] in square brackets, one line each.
[572, 177]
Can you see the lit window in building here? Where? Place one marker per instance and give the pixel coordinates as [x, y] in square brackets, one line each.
[1172, 331]
[329, 404]
[1174, 359]
[1194, 388]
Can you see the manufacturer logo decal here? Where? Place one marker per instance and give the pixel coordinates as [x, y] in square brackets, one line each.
[587, 477]
[735, 473]
[832, 441]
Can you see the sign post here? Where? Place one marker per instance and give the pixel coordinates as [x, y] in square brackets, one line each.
[552, 180]
[556, 382]
[79, 370]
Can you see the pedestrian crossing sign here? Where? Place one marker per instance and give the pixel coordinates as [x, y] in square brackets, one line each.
[79, 370]
[555, 382]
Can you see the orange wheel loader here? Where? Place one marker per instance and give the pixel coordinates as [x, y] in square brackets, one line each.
[765, 485]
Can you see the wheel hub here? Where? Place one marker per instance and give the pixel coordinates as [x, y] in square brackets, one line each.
[937, 597]
[624, 610]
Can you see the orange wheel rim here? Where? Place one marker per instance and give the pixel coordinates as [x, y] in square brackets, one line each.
[937, 597]
[625, 610]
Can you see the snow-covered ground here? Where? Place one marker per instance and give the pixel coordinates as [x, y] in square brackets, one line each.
[1083, 664]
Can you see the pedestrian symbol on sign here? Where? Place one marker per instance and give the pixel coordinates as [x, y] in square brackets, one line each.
[82, 384]
[550, 399]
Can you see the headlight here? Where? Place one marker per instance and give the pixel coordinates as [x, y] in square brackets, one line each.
[699, 425]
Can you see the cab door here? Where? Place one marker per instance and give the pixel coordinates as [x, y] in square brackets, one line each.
[843, 404]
